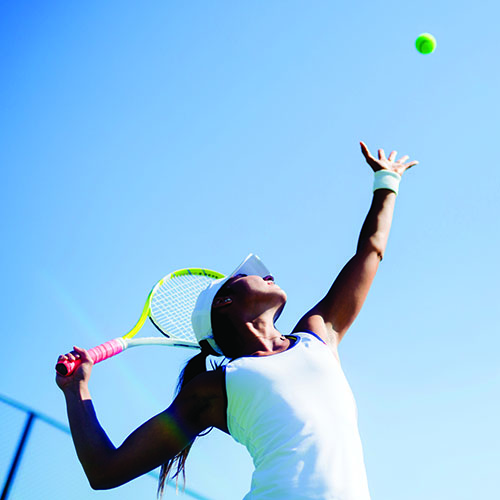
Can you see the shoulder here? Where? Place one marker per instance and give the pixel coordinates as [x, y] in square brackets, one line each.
[203, 400]
[316, 327]
[203, 388]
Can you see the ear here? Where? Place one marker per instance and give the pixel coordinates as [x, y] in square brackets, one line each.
[221, 302]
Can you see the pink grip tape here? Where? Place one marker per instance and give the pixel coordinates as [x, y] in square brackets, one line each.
[97, 354]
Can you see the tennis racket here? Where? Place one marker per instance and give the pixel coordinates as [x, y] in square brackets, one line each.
[169, 306]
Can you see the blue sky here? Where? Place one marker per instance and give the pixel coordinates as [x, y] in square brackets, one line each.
[139, 138]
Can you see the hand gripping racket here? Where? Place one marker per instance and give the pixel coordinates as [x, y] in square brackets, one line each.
[169, 306]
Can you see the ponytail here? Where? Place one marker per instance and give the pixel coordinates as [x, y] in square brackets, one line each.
[194, 367]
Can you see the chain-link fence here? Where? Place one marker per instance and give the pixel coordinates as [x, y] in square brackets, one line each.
[38, 461]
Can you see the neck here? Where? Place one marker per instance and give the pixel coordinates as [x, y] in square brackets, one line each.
[261, 338]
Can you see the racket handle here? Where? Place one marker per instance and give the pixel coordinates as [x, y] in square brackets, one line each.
[97, 354]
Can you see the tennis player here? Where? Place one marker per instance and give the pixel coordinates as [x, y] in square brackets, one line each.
[284, 397]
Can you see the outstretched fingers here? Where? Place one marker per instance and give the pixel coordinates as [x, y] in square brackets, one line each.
[381, 153]
[404, 162]
[411, 164]
[390, 163]
[365, 151]
[392, 156]
[368, 156]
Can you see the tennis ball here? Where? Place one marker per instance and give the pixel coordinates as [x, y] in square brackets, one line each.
[425, 43]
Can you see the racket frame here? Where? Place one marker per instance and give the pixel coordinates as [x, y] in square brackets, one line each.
[119, 344]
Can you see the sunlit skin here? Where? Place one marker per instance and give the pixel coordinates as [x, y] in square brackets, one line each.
[252, 302]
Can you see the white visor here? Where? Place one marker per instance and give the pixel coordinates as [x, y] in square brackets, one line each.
[201, 317]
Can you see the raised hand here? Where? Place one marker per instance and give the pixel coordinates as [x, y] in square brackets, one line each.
[384, 163]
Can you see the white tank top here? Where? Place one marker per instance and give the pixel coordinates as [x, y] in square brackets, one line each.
[295, 413]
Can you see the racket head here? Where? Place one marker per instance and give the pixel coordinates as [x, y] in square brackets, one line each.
[172, 301]
[170, 306]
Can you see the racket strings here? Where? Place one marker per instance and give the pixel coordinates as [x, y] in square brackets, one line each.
[173, 303]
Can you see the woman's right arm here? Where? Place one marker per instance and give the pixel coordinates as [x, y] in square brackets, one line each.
[148, 447]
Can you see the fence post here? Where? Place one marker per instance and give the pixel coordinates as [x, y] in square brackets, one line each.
[17, 457]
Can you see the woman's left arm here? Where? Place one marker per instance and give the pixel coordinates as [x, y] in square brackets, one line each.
[335, 313]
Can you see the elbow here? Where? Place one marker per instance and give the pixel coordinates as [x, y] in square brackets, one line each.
[102, 481]
[96, 486]
[102, 484]
[96, 476]
[98, 483]
[372, 246]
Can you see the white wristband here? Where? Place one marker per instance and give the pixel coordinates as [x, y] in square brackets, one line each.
[385, 179]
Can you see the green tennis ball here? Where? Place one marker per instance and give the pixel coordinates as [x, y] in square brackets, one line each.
[425, 43]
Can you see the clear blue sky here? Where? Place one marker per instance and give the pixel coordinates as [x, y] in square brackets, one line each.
[137, 138]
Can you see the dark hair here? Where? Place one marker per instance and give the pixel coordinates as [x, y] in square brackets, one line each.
[228, 341]
[225, 334]
[194, 367]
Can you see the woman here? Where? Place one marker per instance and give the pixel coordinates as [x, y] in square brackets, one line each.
[284, 397]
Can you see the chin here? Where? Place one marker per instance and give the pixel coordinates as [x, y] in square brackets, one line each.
[280, 310]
